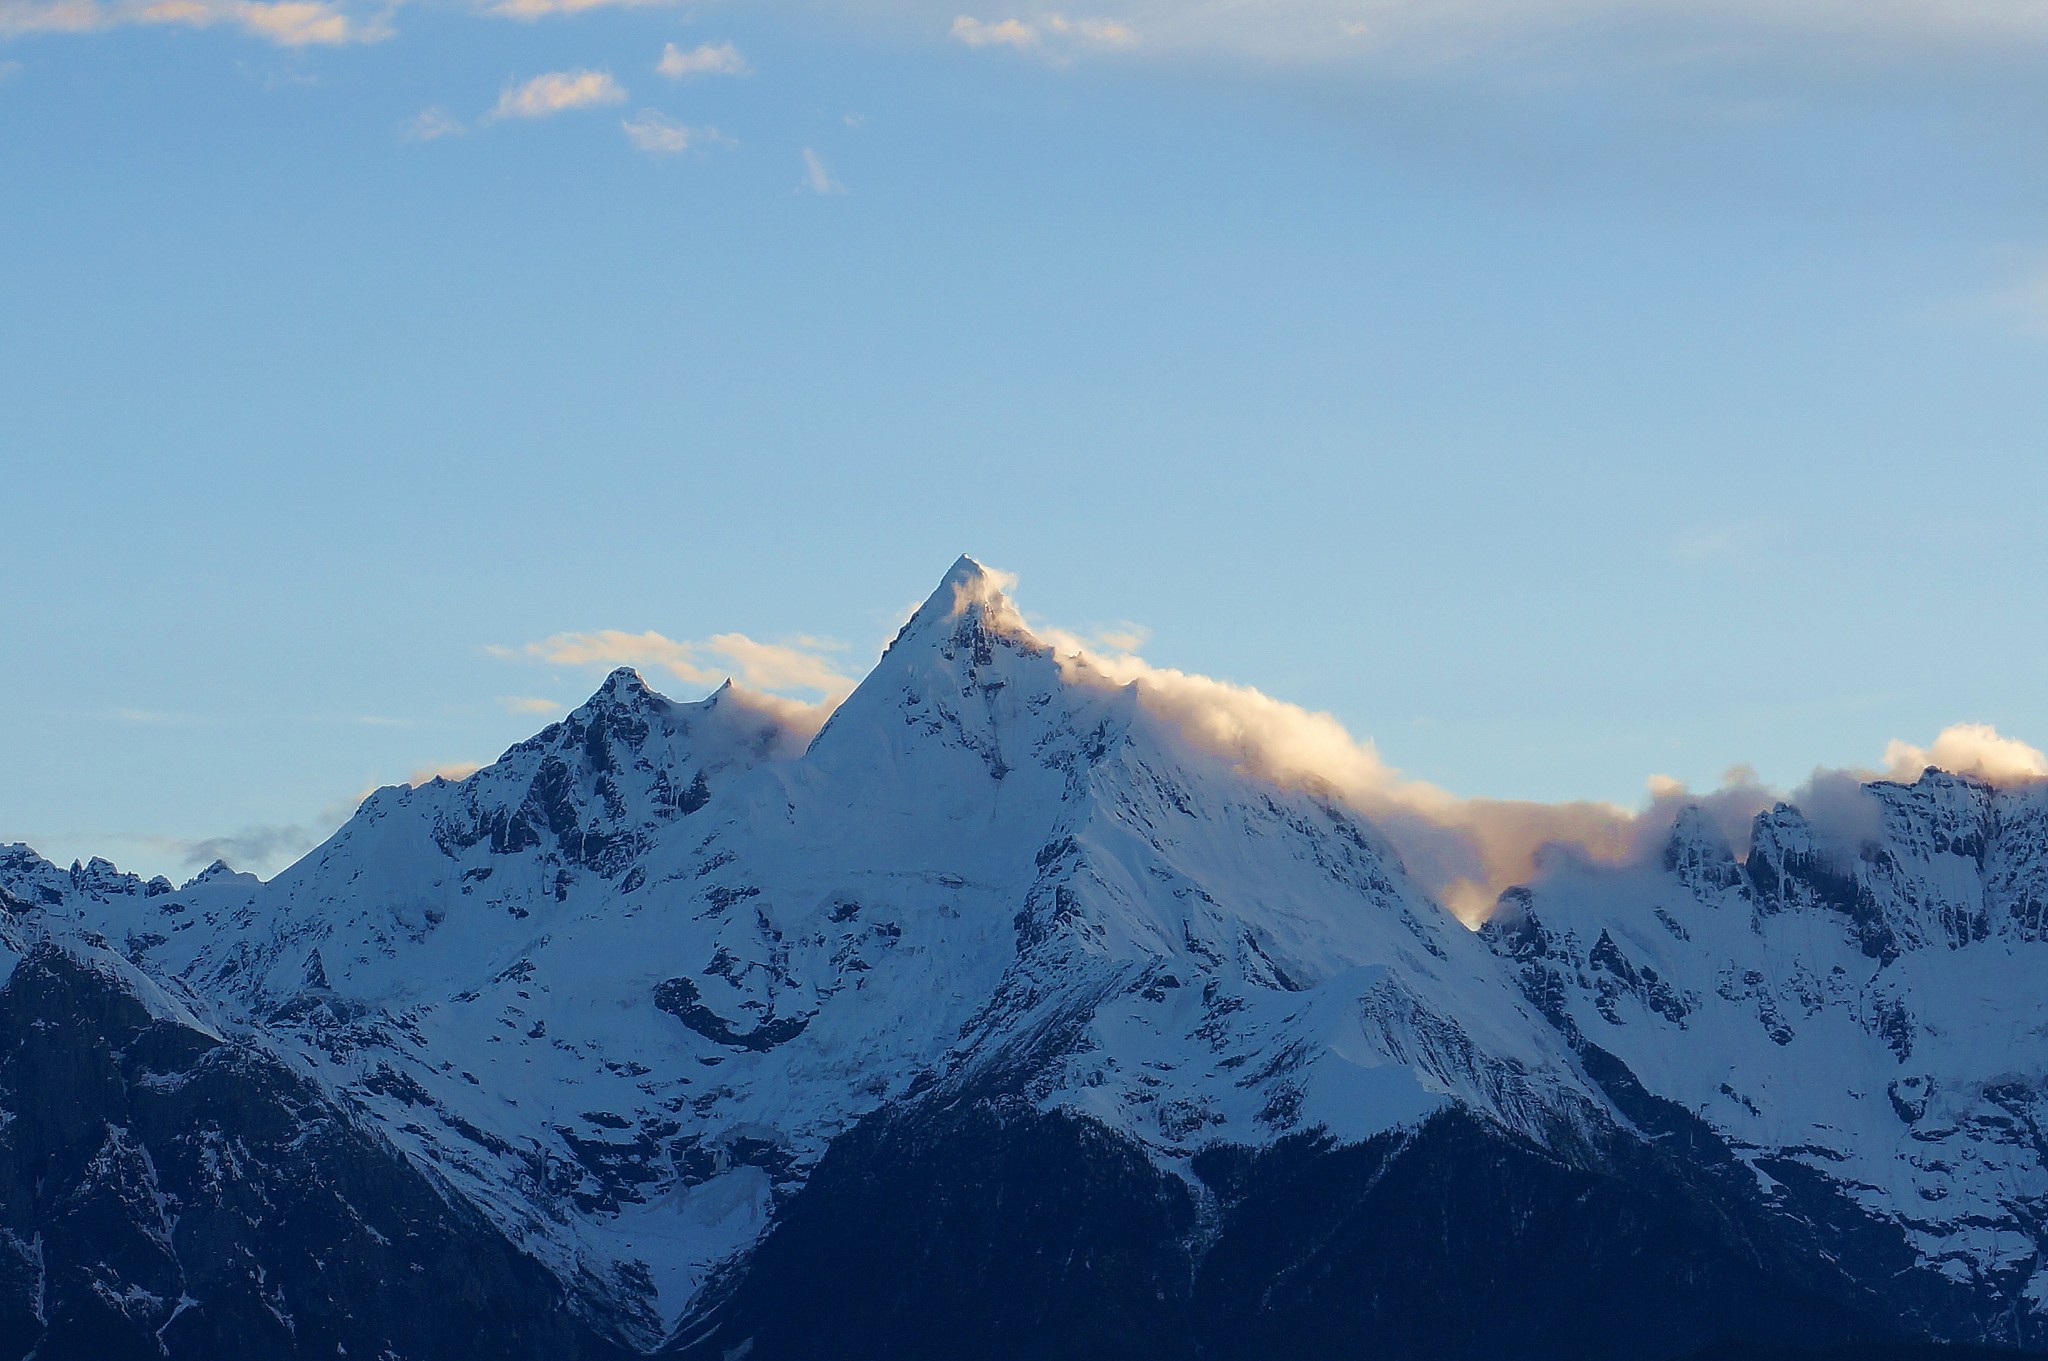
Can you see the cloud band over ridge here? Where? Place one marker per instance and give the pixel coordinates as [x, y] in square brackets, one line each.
[1466, 851]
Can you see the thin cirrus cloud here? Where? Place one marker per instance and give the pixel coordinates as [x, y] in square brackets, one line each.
[817, 178]
[706, 59]
[558, 92]
[801, 666]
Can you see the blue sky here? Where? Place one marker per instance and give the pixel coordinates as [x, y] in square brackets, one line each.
[1557, 391]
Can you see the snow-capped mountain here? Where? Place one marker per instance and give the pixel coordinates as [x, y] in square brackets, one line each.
[1861, 1011]
[706, 1020]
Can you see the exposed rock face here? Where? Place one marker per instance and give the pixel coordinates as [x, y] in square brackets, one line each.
[999, 1020]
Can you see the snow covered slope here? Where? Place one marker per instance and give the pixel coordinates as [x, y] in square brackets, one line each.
[167, 1191]
[1863, 1009]
[624, 989]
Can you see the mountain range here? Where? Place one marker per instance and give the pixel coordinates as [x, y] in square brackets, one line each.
[1001, 1017]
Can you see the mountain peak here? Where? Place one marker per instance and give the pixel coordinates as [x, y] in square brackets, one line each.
[218, 871]
[964, 665]
[970, 591]
[624, 683]
[622, 691]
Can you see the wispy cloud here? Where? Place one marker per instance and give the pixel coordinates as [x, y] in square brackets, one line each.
[1052, 33]
[1743, 546]
[530, 704]
[801, 665]
[157, 718]
[287, 23]
[529, 10]
[430, 124]
[54, 16]
[2021, 304]
[1451, 33]
[1002, 33]
[706, 59]
[449, 770]
[660, 135]
[264, 848]
[558, 92]
[816, 178]
[257, 850]
[1761, 34]
[1758, 33]
[261, 849]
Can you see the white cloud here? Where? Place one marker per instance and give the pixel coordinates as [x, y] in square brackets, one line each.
[661, 135]
[1968, 749]
[431, 123]
[706, 59]
[799, 666]
[530, 704]
[1467, 850]
[616, 647]
[557, 92]
[778, 666]
[302, 23]
[816, 178]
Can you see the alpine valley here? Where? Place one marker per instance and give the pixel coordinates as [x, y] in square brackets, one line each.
[1003, 1019]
